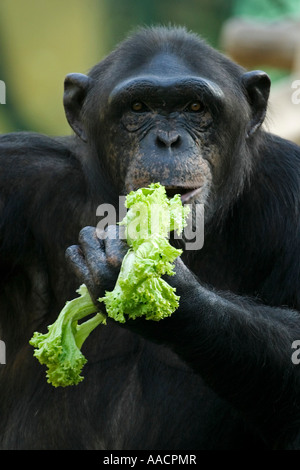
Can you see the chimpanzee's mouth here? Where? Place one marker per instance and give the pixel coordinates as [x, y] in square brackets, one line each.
[186, 194]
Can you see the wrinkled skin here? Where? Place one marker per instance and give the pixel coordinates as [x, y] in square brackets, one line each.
[97, 262]
[163, 107]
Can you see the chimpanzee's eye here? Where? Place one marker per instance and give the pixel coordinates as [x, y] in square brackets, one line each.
[195, 107]
[139, 107]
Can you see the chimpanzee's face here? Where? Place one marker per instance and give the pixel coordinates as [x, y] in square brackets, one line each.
[163, 129]
[183, 119]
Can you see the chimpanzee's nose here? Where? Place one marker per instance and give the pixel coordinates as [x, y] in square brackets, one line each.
[168, 139]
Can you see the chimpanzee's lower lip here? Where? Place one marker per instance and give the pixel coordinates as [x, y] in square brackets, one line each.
[185, 193]
[190, 195]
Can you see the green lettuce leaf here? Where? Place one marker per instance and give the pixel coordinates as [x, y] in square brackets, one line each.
[139, 290]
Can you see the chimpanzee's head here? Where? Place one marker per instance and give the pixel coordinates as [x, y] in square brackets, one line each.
[166, 107]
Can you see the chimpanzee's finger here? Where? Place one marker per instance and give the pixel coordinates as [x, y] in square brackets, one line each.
[115, 246]
[88, 237]
[76, 262]
[93, 249]
[103, 273]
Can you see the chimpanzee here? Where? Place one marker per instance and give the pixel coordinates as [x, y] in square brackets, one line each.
[218, 374]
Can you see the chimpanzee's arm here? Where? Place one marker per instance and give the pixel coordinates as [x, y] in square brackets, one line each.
[241, 348]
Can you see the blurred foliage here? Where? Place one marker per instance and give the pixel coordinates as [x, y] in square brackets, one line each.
[40, 42]
[43, 40]
[202, 16]
[267, 10]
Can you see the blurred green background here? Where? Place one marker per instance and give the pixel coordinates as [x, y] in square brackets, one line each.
[41, 41]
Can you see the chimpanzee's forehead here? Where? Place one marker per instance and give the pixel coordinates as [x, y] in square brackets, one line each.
[166, 73]
[171, 65]
[164, 64]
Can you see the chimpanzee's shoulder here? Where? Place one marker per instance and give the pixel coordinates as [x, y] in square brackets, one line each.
[29, 149]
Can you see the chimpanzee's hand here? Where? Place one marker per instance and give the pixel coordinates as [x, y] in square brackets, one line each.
[97, 261]
[184, 280]
[98, 258]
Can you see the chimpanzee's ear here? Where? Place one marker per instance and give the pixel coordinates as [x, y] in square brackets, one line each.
[75, 89]
[257, 85]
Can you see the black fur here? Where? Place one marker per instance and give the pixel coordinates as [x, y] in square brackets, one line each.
[217, 374]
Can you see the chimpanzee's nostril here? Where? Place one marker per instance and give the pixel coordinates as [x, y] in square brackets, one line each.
[168, 139]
